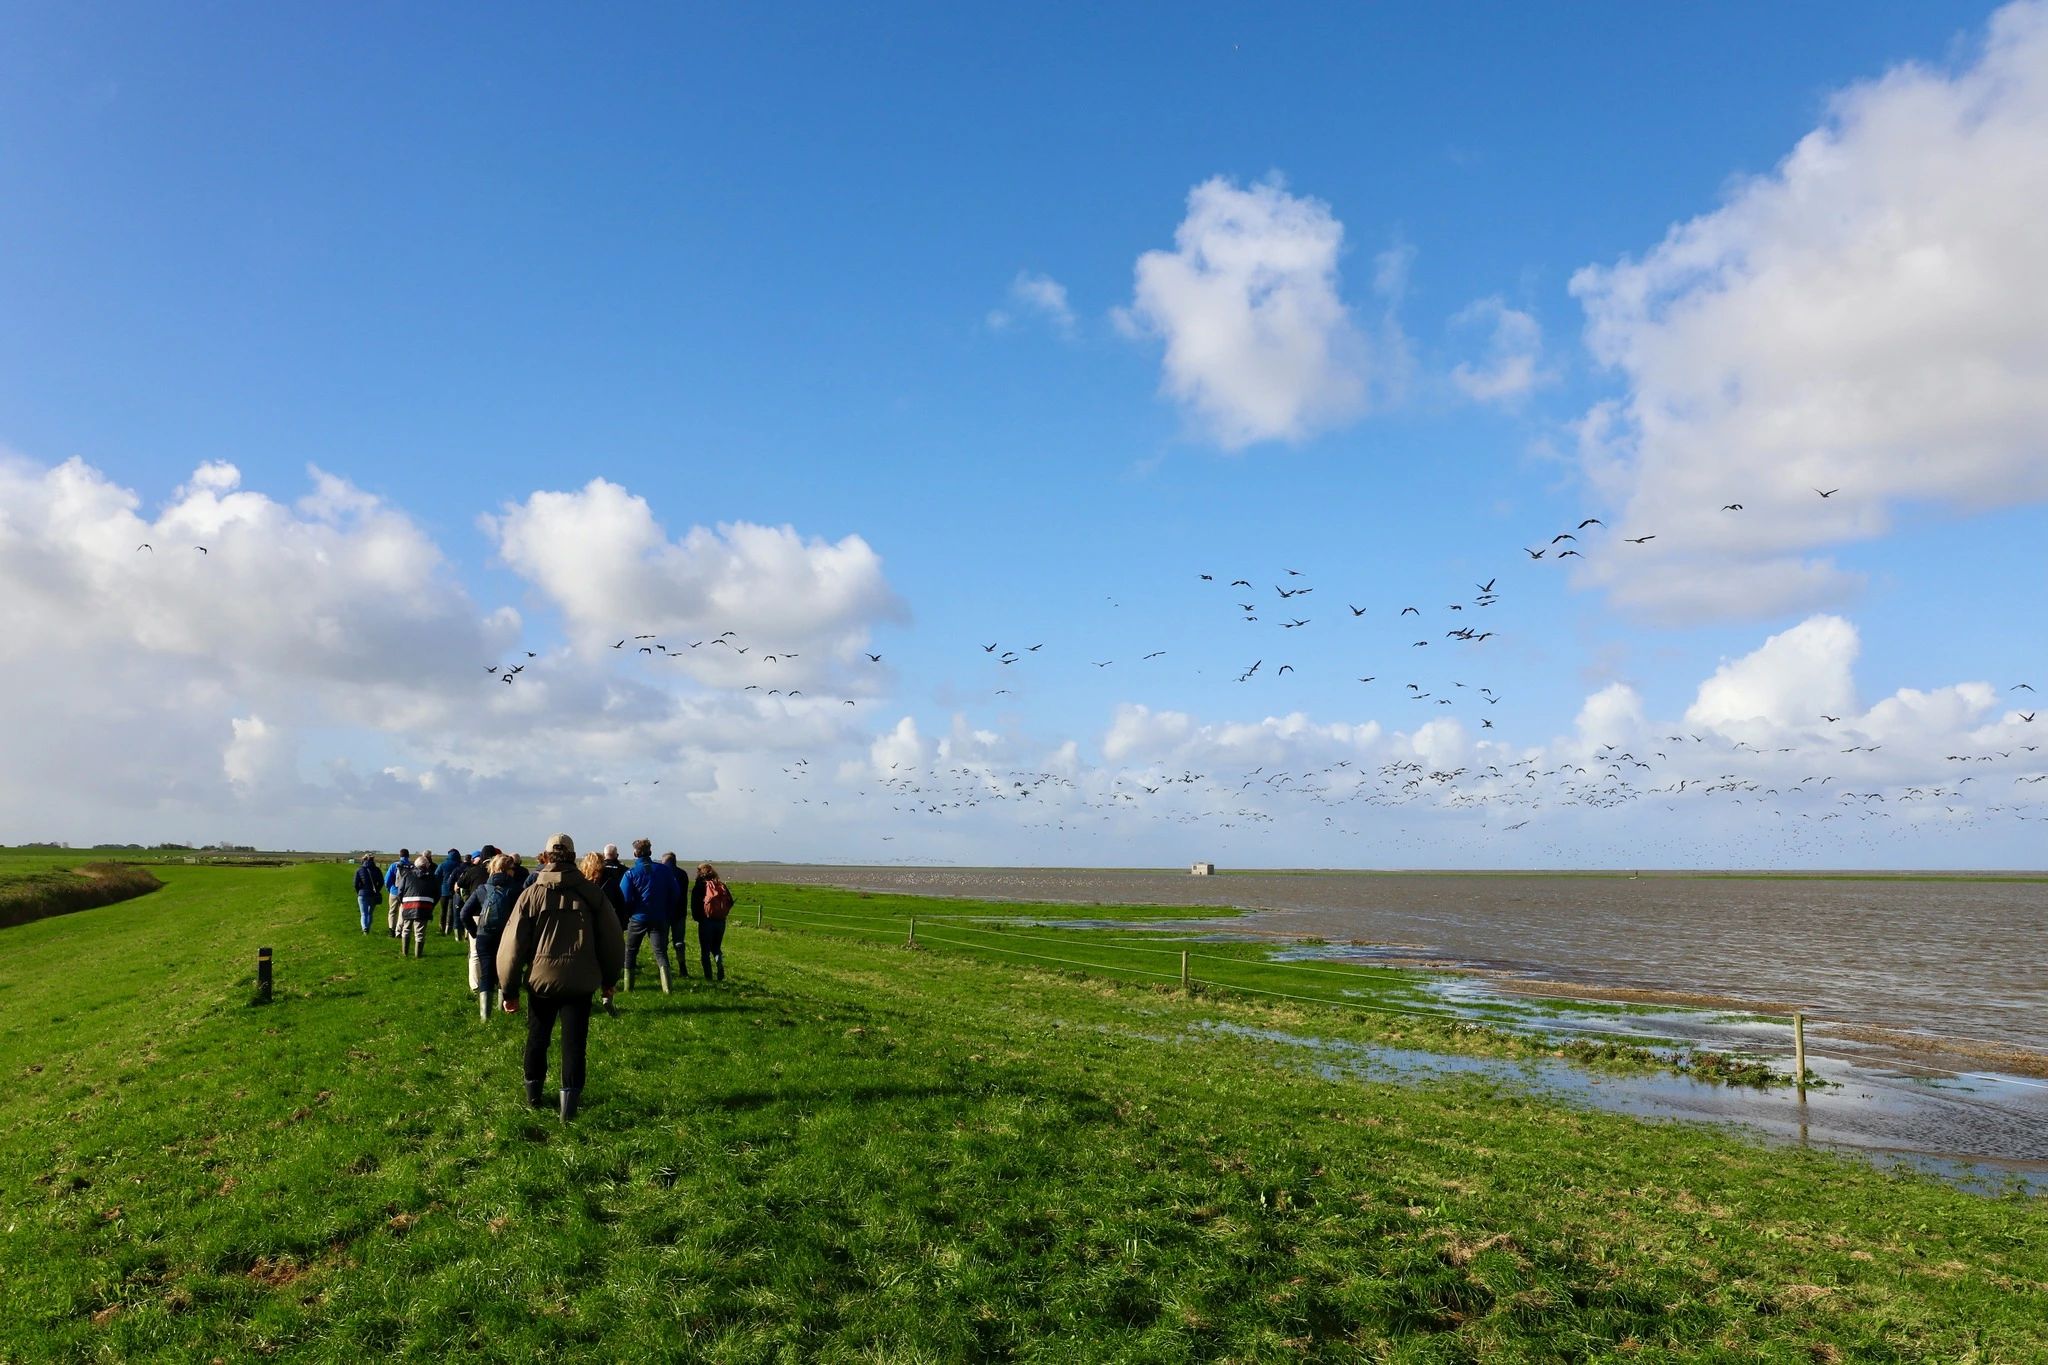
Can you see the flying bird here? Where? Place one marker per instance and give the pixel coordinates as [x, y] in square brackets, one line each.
[201, 548]
[990, 649]
[1562, 535]
[1533, 554]
[1732, 507]
[1208, 578]
[1104, 664]
[1154, 654]
[145, 546]
[1285, 668]
[1829, 494]
[1406, 610]
[1290, 625]
[1484, 588]
[1642, 540]
[1371, 679]
[1567, 554]
[1591, 521]
[874, 658]
[1239, 583]
[620, 645]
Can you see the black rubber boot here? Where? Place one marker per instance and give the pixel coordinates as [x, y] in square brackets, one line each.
[569, 1098]
[534, 1096]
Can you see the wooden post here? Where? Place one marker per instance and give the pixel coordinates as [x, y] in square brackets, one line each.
[1183, 969]
[263, 975]
[1799, 1048]
[913, 931]
[757, 914]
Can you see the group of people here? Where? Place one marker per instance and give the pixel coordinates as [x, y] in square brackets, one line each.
[568, 930]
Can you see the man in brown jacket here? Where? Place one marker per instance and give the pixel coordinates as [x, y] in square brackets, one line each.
[564, 934]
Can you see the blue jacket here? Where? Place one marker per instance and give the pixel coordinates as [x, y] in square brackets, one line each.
[391, 873]
[651, 893]
[446, 872]
[369, 879]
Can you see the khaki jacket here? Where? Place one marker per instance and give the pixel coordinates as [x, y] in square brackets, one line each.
[565, 929]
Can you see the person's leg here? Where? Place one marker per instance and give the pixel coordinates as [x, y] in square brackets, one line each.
[575, 1015]
[540, 1029]
[658, 935]
[714, 954]
[635, 931]
[363, 910]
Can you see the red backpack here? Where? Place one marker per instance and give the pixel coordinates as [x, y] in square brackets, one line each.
[717, 899]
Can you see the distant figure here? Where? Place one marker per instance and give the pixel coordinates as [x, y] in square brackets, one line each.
[391, 875]
[566, 939]
[484, 913]
[679, 924]
[369, 888]
[419, 891]
[612, 876]
[710, 903]
[450, 869]
[654, 901]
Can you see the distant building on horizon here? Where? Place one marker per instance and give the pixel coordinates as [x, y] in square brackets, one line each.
[1202, 869]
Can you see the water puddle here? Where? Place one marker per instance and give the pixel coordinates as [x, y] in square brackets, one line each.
[1988, 1134]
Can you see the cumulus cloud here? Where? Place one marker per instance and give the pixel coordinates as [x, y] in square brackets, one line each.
[602, 559]
[1513, 364]
[1259, 344]
[1036, 295]
[1795, 678]
[1867, 317]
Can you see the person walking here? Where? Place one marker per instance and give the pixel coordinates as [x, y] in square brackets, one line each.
[612, 876]
[653, 902]
[475, 869]
[419, 890]
[710, 903]
[369, 888]
[565, 938]
[679, 922]
[484, 913]
[391, 876]
[450, 869]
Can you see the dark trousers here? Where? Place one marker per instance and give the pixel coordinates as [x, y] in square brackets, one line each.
[711, 945]
[657, 935]
[541, 1012]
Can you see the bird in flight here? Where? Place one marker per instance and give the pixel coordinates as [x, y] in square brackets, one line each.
[1485, 724]
[1641, 540]
[145, 546]
[1290, 625]
[1830, 492]
[620, 645]
[1104, 664]
[1830, 719]
[1371, 679]
[201, 548]
[1732, 507]
[1239, 583]
[1485, 587]
[1249, 671]
[990, 649]
[1208, 578]
[1406, 610]
[2018, 686]
[1295, 572]
[874, 658]
[1285, 668]
[1533, 554]
[1567, 554]
[1591, 521]
[1034, 649]
[1356, 611]
[1154, 654]
[1562, 535]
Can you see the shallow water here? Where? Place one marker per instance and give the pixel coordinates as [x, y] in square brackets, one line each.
[1989, 1134]
[1955, 959]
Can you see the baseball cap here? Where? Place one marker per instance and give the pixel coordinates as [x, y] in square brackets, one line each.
[559, 843]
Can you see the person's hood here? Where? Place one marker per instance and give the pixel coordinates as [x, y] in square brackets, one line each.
[505, 879]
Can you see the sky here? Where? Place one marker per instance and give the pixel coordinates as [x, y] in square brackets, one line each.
[903, 434]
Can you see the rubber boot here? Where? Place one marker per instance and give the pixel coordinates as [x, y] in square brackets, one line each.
[661, 969]
[569, 1098]
[534, 1096]
[630, 973]
[483, 1007]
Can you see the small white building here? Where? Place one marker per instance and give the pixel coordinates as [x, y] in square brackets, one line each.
[1202, 869]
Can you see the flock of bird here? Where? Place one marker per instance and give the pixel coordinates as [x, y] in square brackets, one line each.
[1504, 787]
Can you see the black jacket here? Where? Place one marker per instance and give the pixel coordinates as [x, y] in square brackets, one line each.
[370, 880]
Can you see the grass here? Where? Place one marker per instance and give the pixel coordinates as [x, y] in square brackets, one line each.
[33, 891]
[854, 1151]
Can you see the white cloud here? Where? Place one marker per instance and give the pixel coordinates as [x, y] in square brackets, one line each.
[1259, 345]
[1868, 317]
[601, 558]
[1513, 365]
[1795, 678]
[900, 750]
[1038, 294]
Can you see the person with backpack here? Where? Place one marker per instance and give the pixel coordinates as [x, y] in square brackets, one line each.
[475, 869]
[653, 897]
[369, 888]
[419, 891]
[391, 876]
[710, 903]
[565, 938]
[484, 913]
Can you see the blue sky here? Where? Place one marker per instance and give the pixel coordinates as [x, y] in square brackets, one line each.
[763, 270]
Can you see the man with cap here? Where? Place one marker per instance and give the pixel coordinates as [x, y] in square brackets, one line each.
[566, 939]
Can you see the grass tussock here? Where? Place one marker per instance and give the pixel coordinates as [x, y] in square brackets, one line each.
[60, 891]
[856, 1152]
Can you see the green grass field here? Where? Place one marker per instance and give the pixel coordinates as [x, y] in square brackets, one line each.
[857, 1151]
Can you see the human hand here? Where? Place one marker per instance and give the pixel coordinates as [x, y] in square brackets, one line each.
[511, 1006]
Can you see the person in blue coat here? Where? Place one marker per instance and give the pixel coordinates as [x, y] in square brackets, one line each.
[369, 888]
[483, 917]
[450, 868]
[653, 900]
[391, 874]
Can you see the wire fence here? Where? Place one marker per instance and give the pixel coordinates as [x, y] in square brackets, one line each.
[839, 922]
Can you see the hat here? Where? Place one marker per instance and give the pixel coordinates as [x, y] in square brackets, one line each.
[559, 843]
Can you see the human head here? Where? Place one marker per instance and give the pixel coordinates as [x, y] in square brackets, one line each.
[455, 853]
[503, 864]
[559, 849]
[706, 870]
[369, 858]
[592, 866]
[669, 858]
[611, 851]
[643, 848]
[423, 862]
[487, 851]
[405, 855]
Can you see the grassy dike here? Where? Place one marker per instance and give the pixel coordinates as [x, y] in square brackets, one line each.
[857, 1151]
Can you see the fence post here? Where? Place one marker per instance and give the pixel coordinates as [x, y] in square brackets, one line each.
[1799, 1048]
[757, 914]
[913, 931]
[263, 975]
[1183, 969]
